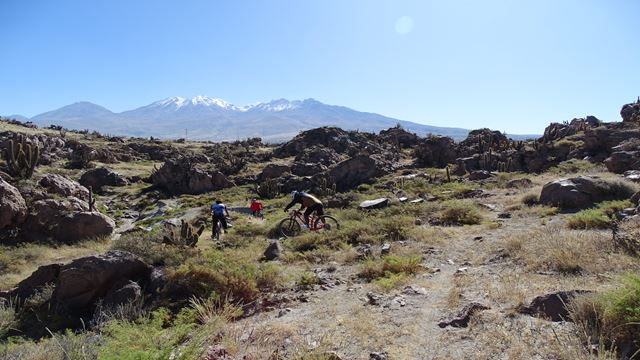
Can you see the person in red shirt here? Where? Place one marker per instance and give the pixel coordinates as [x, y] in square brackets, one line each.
[256, 207]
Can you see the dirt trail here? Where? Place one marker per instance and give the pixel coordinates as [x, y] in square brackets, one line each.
[467, 266]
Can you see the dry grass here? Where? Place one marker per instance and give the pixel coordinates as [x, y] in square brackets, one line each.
[16, 263]
[554, 248]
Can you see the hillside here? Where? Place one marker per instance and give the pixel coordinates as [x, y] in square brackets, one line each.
[484, 248]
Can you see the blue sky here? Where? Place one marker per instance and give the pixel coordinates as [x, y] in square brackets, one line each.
[513, 66]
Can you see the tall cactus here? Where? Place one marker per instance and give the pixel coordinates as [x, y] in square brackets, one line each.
[188, 235]
[22, 158]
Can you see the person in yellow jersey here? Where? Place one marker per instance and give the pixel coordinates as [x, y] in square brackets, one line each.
[306, 201]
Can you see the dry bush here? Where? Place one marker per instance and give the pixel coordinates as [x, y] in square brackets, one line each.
[556, 248]
[611, 319]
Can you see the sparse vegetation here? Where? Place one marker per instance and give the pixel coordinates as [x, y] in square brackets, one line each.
[600, 217]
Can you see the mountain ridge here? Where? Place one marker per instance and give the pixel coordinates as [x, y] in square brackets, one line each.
[208, 118]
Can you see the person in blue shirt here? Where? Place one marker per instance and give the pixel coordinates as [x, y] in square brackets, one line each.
[218, 212]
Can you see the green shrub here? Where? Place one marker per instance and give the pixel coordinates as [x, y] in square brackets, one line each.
[531, 199]
[589, 219]
[598, 218]
[153, 337]
[611, 318]
[7, 319]
[307, 278]
[402, 264]
[456, 212]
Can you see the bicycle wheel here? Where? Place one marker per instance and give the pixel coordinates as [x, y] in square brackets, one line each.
[289, 227]
[327, 223]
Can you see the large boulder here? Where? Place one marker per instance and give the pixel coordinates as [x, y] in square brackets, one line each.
[77, 226]
[621, 161]
[58, 184]
[181, 176]
[81, 283]
[553, 306]
[13, 208]
[97, 178]
[357, 170]
[44, 216]
[581, 192]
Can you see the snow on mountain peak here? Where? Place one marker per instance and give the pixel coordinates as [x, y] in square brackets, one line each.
[207, 101]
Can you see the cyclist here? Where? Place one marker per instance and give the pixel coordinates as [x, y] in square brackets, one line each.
[306, 201]
[218, 212]
[256, 207]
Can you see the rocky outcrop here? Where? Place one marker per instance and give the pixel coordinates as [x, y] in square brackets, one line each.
[307, 169]
[557, 131]
[435, 151]
[97, 178]
[341, 141]
[358, 170]
[13, 208]
[398, 136]
[318, 155]
[631, 112]
[272, 171]
[181, 176]
[581, 192]
[58, 184]
[81, 283]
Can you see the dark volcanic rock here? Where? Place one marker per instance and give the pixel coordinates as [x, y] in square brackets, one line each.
[358, 170]
[551, 306]
[464, 316]
[97, 178]
[580, 192]
[181, 176]
[83, 281]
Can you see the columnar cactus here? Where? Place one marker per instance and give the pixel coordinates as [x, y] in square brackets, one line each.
[22, 158]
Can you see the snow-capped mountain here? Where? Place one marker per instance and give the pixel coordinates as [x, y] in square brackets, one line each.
[206, 118]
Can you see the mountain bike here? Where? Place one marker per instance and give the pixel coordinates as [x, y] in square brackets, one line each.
[292, 225]
[217, 229]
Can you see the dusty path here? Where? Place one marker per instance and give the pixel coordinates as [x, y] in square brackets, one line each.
[466, 266]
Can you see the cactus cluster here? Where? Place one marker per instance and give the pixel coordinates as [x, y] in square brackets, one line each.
[268, 189]
[326, 186]
[21, 158]
[187, 236]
